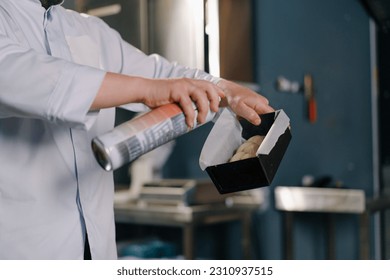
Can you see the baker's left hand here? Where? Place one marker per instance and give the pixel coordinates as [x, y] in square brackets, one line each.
[244, 102]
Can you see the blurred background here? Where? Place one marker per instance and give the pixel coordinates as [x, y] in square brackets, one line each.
[338, 121]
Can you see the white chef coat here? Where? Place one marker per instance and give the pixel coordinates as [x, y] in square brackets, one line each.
[52, 190]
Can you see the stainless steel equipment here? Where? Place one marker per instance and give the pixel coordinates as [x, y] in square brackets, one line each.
[330, 201]
[171, 191]
[309, 199]
[212, 35]
[188, 192]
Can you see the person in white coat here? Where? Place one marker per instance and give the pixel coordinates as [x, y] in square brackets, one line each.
[62, 73]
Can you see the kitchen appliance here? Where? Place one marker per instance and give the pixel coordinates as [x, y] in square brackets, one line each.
[212, 35]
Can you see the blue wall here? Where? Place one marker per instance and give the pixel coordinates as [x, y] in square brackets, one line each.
[330, 40]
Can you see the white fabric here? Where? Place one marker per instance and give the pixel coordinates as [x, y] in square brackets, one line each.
[51, 188]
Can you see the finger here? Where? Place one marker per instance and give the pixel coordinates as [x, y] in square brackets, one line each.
[248, 113]
[215, 94]
[201, 100]
[259, 109]
[263, 108]
[263, 99]
[188, 109]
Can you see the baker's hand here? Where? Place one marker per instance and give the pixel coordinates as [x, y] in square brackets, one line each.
[117, 89]
[185, 92]
[244, 102]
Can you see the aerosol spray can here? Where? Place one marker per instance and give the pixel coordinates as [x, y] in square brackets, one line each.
[133, 138]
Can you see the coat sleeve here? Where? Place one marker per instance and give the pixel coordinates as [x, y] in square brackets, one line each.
[35, 85]
[156, 66]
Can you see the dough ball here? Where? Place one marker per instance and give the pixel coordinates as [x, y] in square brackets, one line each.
[257, 139]
[237, 156]
[240, 156]
[246, 155]
[249, 148]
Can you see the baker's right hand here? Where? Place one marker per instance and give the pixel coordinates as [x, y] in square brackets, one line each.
[186, 93]
[118, 89]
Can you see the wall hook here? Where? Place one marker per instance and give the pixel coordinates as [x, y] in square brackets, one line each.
[306, 88]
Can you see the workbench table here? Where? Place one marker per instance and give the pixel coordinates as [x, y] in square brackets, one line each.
[187, 218]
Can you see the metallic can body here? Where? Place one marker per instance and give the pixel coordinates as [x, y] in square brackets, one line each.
[132, 139]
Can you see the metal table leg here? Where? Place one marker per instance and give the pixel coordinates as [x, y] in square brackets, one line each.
[188, 241]
[246, 235]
